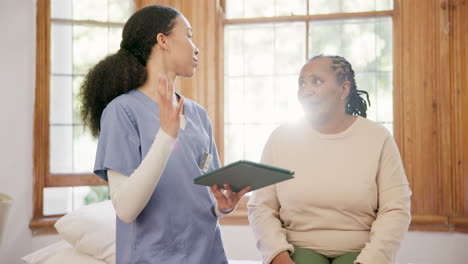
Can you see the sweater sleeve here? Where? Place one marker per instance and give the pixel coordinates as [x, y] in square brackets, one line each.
[393, 216]
[264, 216]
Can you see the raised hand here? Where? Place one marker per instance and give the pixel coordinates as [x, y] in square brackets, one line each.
[169, 109]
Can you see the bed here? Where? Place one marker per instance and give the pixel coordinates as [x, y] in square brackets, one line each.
[88, 237]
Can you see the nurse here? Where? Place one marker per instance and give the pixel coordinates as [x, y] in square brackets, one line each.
[153, 142]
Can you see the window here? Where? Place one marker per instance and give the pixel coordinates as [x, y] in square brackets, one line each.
[72, 36]
[267, 42]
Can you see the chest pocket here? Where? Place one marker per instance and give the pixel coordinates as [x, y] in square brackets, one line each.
[196, 142]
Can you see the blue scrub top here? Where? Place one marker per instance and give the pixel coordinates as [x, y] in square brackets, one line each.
[179, 224]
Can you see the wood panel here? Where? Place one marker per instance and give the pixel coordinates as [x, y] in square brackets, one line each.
[459, 77]
[445, 109]
[424, 111]
[206, 17]
[41, 105]
[397, 75]
[69, 180]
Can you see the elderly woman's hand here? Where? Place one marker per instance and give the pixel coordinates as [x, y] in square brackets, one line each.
[227, 199]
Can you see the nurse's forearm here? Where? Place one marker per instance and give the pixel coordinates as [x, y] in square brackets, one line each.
[131, 194]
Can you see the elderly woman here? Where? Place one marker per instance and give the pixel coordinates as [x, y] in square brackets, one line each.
[350, 199]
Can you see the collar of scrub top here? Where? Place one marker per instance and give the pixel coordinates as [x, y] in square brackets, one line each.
[155, 108]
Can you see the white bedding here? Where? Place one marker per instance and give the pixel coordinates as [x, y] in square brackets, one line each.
[62, 252]
[59, 253]
[88, 237]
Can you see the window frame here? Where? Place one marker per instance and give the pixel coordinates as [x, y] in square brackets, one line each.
[41, 134]
[240, 216]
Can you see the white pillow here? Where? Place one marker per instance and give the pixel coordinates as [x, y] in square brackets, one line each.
[91, 230]
[60, 253]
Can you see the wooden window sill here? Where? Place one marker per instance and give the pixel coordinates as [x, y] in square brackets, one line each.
[44, 225]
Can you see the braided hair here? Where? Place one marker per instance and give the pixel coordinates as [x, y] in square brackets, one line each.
[343, 70]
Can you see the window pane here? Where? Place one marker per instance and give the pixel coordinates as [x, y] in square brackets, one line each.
[62, 9]
[287, 108]
[99, 10]
[265, 87]
[234, 8]
[90, 45]
[367, 81]
[361, 41]
[259, 99]
[74, 49]
[115, 37]
[246, 141]
[85, 195]
[290, 47]
[255, 141]
[61, 49]
[120, 10]
[234, 139]
[384, 31]
[261, 49]
[57, 200]
[80, 10]
[84, 150]
[76, 106]
[61, 200]
[264, 8]
[73, 149]
[258, 8]
[384, 96]
[290, 7]
[383, 5]
[61, 144]
[61, 100]
[258, 47]
[90, 10]
[348, 6]
[234, 50]
[234, 99]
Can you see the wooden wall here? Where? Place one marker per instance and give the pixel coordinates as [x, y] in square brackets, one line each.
[459, 82]
[431, 109]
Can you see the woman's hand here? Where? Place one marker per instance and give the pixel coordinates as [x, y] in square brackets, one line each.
[228, 199]
[169, 110]
[282, 258]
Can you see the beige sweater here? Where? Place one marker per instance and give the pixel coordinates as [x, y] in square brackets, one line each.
[350, 193]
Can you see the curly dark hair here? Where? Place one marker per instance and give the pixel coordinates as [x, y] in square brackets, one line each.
[356, 105]
[125, 70]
